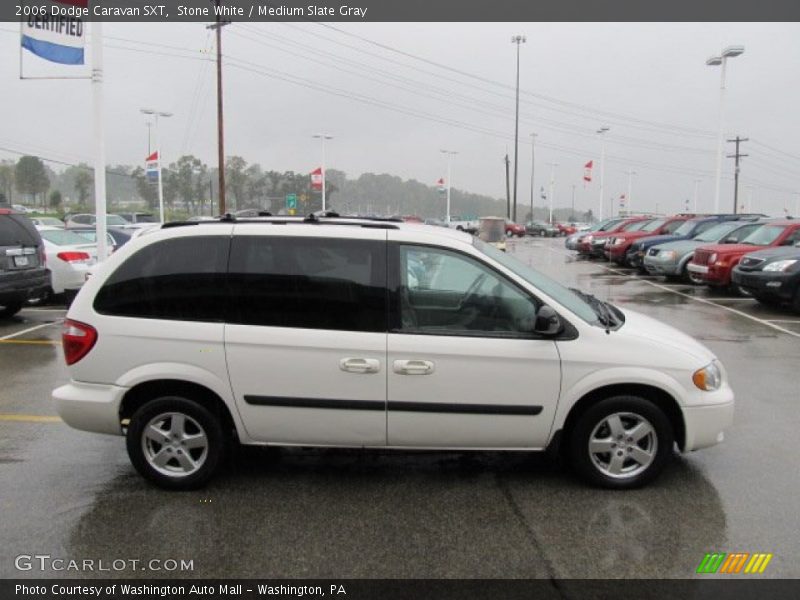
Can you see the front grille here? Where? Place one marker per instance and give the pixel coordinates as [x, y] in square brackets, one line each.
[701, 257]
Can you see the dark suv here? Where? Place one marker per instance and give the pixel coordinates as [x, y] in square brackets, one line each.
[771, 276]
[23, 275]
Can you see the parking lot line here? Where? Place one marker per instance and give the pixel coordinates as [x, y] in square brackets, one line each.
[766, 322]
[797, 321]
[30, 418]
[24, 331]
[44, 310]
[32, 342]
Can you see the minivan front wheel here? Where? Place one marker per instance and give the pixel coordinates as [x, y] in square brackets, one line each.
[175, 442]
[621, 442]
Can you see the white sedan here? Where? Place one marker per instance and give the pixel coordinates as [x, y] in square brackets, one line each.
[69, 257]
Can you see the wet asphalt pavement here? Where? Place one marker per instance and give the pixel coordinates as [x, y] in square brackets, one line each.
[343, 513]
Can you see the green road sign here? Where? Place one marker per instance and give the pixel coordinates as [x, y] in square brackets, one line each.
[291, 200]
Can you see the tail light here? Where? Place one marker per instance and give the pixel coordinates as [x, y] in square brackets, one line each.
[71, 257]
[77, 339]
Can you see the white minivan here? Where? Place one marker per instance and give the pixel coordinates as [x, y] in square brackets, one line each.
[330, 331]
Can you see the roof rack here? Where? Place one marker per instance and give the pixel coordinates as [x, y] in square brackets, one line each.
[326, 218]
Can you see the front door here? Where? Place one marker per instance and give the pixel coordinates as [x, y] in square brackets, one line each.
[464, 368]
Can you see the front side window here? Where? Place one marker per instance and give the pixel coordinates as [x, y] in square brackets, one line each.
[178, 279]
[635, 225]
[308, 283]
[448, 293]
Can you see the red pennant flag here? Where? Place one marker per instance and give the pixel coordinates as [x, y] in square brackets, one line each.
[316, 179]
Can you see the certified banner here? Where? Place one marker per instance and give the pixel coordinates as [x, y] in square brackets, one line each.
[55, 31]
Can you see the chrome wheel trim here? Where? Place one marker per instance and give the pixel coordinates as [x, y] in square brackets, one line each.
[174, 444]
[623, 445]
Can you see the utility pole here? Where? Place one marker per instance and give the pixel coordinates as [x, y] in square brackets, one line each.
[508, 189]
[533, 163]
[517, 39]
[220, 119]
[737, 140]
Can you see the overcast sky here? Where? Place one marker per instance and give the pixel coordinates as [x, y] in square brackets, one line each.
[392, 112]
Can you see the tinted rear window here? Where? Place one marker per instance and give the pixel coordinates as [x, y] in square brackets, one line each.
[16, 230]
[311, 283]
[181, 279]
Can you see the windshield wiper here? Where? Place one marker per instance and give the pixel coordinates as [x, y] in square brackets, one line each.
[603, 310]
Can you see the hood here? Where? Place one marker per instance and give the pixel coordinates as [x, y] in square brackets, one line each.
[778, 252]
[681, 245]
[630, 235]
[729, 249]
[658, 239]
[646, 329]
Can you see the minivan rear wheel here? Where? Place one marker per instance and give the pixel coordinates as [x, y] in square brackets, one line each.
[621, 442]
[10, 309]
[175, 442]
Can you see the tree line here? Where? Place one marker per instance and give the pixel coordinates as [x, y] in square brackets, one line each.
[190, 188]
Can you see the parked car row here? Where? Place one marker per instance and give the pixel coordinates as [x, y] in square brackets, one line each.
[748, 253]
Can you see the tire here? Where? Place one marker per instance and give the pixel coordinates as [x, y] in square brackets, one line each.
[767, 300]
[148, 437]
[10, 309]
[654, 448]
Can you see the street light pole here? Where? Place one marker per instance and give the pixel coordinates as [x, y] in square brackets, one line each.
[721, 61]
[450, 154]
[99, 127]
[552, 187]
[323, 137]
[517, 39]
[602, 131]
[533, 164]
[696, 184]
[156, 114]
[631, 173]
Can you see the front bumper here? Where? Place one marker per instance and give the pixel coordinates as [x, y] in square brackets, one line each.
[774, 283]
[705, 425]
[709, 274]
[21, 288]
[656, 267]
[90, 406]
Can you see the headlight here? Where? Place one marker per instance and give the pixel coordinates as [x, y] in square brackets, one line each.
[618, 241]
[712, 258]
[588, 239]
[668, 255]
[780, 265]
[709, 378]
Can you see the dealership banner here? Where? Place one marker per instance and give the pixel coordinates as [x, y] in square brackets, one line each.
[51, 31]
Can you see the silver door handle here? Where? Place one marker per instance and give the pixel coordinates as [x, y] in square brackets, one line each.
[413, 367]
[360, 365]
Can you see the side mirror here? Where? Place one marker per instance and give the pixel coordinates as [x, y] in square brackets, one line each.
[547, 321]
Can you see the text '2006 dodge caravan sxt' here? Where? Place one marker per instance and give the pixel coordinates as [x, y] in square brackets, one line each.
[365, 333]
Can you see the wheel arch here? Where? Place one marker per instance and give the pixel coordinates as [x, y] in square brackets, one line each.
[661, 398]
[145, 391]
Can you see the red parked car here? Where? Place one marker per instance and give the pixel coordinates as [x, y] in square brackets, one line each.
[514, 229]
[592, 243]
[712, 265]
[617, 246]
[566, 229]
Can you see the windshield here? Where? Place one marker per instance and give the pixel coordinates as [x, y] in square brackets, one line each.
[686, 228]
[62, 237]
[635, 226]
[115, 221]
[605, 225]
[564, 296]
[717, 232]
[653, 225]
[764, 236]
